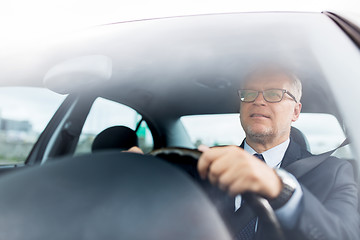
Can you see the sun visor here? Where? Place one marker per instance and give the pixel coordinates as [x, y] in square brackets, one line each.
[74, 74]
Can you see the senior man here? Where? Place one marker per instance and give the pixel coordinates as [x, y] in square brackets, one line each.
[321, 204]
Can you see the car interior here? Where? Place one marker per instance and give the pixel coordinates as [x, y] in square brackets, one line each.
[137, 93]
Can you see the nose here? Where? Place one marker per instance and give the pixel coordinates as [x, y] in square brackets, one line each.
[260, 99]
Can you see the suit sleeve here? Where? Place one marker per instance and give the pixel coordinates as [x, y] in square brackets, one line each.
[334, 215]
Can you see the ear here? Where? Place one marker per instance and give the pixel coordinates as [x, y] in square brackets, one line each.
[297, 110]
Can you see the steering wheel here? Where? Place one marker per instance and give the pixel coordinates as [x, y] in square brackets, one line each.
[187, 159]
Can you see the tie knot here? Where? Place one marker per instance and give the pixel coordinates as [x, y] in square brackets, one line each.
[259, 156]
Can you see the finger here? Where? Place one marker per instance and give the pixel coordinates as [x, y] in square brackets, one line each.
[218, 168]
[213, 179]
[236, 173]
[238, 177]
[203, 148]
[204, 164]
[209, 156]
[212, 155]
[221, 165]
[254, 178]
[238, 186]
[226, 169]
[226, 179]
[217, 152]
[135, 150]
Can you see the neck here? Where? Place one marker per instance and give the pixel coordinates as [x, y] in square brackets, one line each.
[262, 146]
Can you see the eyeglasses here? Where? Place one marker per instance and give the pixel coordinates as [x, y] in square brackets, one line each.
[270, 95]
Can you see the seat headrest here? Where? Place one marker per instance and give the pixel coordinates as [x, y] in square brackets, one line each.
[299, 138]
[116, 137]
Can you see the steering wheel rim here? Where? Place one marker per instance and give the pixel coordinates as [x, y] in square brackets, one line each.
[177, 150]
[257, 203]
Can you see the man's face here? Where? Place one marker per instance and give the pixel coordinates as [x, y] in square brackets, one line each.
[264, 122]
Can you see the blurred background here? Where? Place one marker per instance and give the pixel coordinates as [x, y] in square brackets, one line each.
[37, 20]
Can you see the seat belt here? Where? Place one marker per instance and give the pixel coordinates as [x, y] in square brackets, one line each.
[303, 166]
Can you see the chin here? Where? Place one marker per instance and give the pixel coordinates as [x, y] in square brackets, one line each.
[259, 132]
[260, 129]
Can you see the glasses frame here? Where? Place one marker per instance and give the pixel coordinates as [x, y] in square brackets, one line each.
[262, 92]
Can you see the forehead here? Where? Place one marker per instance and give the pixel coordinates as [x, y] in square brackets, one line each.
[266, 81]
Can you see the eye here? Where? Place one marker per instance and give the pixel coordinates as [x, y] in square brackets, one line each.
[250, 94]
[273, 94]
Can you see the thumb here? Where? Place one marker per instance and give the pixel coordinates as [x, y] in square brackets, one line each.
[203, 148]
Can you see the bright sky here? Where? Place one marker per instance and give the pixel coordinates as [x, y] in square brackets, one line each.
[23, 19]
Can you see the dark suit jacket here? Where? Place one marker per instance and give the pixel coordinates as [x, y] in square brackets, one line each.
[329, 207]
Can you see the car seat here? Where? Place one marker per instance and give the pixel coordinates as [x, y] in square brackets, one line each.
[115, 137]
[297, 136]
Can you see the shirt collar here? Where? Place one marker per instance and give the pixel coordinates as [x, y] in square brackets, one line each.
[273, 156]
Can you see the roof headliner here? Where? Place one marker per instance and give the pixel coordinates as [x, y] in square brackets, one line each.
[197, 61]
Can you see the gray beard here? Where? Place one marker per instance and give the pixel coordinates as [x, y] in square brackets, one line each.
[260, 138]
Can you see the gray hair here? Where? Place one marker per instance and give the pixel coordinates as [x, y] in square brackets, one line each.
[269, 70]
[296, 86]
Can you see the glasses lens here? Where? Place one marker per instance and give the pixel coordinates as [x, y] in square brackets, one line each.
[248, 95]
[273, 95]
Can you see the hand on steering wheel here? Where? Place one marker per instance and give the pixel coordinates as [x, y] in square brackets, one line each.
[259, 204]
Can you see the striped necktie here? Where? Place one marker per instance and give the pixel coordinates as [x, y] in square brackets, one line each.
[259, 156]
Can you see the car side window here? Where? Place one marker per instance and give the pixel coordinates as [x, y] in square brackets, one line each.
[323, 132]
[24, 114]
[104, 114]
